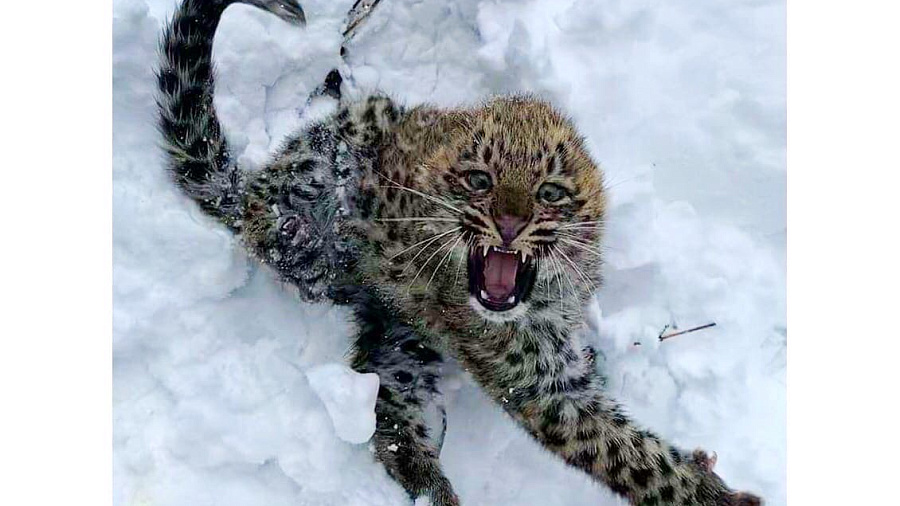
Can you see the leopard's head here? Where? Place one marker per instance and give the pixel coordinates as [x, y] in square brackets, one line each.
[514, 196]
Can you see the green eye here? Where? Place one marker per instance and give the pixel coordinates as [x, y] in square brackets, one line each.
[479, 180]
[551, 193]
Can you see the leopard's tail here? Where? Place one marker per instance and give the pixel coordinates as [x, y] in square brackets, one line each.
[196, 147]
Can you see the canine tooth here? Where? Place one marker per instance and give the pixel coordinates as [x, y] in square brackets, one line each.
[484, 295]
[511, 299]
[486, 248]
[524, 256]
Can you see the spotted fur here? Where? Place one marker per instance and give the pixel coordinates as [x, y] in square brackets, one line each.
[375, 207]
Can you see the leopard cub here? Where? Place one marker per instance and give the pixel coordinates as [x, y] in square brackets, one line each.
[469, 234]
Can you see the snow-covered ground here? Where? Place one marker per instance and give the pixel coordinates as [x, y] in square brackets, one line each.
[222, 388]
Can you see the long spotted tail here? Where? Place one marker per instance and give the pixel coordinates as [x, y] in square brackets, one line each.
[198, 153]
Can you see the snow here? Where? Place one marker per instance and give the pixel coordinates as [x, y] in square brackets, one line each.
[226, 388]
[349, 398]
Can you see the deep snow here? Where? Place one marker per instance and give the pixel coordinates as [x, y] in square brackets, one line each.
[682, 103]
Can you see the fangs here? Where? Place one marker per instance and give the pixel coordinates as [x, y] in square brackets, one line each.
[507, 272]
[521, 254]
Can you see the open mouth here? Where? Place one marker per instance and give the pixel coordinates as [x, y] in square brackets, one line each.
[500, 278]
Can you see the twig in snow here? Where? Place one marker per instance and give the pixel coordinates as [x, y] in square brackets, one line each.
[357, 14]
[695, 329]
[663, 331]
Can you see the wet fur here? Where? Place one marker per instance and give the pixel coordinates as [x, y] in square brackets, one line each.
[326, 214]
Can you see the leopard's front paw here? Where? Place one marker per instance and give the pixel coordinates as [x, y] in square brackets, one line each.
[704, 461]
[439, 494]
[438, 497]
[714, 485]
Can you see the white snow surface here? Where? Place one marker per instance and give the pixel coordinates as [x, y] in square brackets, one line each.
[349, 398]
[683, 103]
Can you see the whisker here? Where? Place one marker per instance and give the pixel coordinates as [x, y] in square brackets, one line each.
[558, 273]
[585, 223]
[425, 196]
[444, 259]
[572, 289]
[574, 232]
[612, 184]
[463, 257]
[592, 245]
[579, 223]
[582, 226]
[548, 281]
[577, 269]
[409, 263]
[599, 247]
[416, 192]
[424, 240]
[577, 239]
[418, 218]
[565, 275]
[580, 246]
[571, 235]
[409, 287]
[413, 259]
[540, 265]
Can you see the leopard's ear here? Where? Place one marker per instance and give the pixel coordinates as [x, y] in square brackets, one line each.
[368, 123]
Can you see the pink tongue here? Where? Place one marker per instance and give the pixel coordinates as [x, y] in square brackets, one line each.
[500, 274]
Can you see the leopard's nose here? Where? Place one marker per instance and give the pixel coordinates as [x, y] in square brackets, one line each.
[510, 227]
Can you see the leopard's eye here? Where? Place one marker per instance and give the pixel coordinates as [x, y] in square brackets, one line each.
[551, 193]
[479, 180]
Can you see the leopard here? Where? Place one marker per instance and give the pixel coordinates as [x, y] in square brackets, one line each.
[467, 235]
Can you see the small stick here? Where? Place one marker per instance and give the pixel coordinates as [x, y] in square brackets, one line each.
[701, 327]
[357, 14]
[663, 331]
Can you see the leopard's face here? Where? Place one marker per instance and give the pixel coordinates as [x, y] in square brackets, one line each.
[515, 199]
